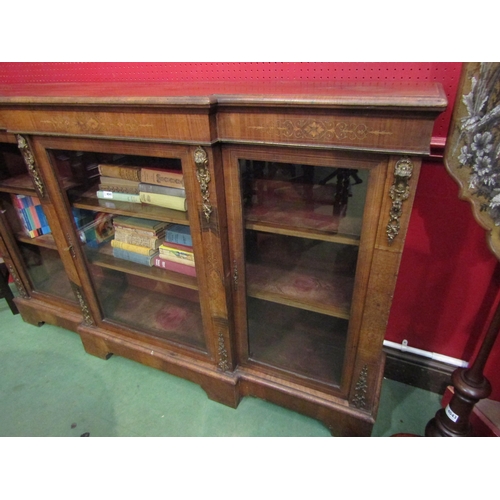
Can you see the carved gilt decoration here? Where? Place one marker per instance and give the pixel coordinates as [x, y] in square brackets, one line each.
[203, 176]
[399, 192]
[87, 317]
[29, 159]
[222, 354]
[359, 399]
[472, 154]
[19, 284]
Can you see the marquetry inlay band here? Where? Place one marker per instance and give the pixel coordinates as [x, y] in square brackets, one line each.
[325, 130]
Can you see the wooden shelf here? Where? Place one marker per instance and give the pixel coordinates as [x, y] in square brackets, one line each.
[46, 240]
[104, 258]
[303, 233]
[21, 184]
[303, 288]
[90, 202]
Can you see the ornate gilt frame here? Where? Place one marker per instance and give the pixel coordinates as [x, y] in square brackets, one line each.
[472, 155]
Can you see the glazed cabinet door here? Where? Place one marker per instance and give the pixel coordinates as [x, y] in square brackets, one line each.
[130, 222]
[302, 226]
[28, 226]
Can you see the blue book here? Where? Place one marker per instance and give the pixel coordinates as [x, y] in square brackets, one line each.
[146, 260]
[177, 233]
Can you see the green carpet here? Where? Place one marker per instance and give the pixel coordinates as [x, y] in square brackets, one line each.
[49, 386]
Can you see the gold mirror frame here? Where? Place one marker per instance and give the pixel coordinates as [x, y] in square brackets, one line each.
[472, 154]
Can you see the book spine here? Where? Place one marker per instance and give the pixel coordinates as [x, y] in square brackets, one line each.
[174, 236]
[34, 215]
[176, 256]
[156, 188]
[119, 189]
[110, 195]
[188, 254]
[41, 216]
[137, 239]
[174, 266]
[167, 178]
[177, 246]
[133, 248]
[120, 253]
[140, 232]
[163, 200]
[122, 172]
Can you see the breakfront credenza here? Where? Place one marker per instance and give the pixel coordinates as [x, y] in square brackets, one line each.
[295, 203]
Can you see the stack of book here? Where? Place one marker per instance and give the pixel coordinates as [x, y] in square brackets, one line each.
[119, 183]
[31, 214]
[137, 240]
[176, 251]
[163, 188]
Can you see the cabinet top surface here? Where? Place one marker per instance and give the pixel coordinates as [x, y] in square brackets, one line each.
[406, 95]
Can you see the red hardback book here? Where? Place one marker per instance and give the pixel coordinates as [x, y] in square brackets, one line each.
[174, 266]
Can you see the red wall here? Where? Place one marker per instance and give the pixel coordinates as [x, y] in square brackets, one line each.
[448, 279]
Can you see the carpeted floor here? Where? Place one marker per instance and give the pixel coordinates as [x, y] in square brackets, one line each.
[49, 386]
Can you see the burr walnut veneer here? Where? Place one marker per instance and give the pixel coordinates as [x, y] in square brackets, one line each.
[298, 200]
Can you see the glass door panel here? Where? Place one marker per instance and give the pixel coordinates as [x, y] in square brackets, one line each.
[26, 220]
[136, 239]
[302, 233]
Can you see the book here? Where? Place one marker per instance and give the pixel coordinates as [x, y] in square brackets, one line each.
[186, 258]
[147, 225]
[156, 188]
[120, 171]
[146, 260]
[133, 248]
[134, 238]
[164, 200]
[164, 250]
[118, 185]
[170, 265]
[175, 258]
[178, 233]
[112, 195]
[170, 178]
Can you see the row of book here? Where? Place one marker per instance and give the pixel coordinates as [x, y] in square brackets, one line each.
[153, 243]
[31, 215]
[160, 187]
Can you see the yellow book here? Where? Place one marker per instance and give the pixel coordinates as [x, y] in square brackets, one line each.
[133, 248]
[164, 200]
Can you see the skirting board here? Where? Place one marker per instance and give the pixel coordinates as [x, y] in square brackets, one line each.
[417, 371]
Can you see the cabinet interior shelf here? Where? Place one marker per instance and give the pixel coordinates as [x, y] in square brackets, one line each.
[141, 210]
[104, 258]
[46, 240]
[301, 288]
[303, 233]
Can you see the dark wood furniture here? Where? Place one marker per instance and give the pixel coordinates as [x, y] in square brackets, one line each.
[298, 202]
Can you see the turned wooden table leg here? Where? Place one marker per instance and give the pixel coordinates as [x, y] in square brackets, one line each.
[470, 385]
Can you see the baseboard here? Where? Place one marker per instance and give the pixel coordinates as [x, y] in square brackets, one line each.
[417, 371]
